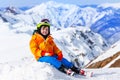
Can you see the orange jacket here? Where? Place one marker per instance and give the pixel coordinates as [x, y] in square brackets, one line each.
[38, 46]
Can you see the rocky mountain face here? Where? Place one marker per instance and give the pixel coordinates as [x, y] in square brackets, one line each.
[110, 58]
[103, 63]
[80, 45]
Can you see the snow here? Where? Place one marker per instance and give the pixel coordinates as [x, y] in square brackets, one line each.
[114, 49]
[29, 69]
[18, 63]
[10, 44]
[114, 5]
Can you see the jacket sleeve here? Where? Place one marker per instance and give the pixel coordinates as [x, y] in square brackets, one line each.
[34, 47]
[55, 48]
[57, 51]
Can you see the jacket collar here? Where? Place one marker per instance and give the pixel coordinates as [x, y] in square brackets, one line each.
[49, 36]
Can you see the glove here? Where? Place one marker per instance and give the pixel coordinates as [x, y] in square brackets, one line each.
[46, 53]
[60, 56]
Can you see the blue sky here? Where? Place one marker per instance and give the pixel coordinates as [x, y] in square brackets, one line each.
[20, 3]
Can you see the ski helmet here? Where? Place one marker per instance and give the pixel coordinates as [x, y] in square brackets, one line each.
[43, 24]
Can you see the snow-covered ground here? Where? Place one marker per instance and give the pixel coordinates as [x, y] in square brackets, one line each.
[18, 63]
[29, 69]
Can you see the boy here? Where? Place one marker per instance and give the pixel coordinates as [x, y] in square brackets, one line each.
[45, 50]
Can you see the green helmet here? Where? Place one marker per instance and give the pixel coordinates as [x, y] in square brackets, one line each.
[43, 24]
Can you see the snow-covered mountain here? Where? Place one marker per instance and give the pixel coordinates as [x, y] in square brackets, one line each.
[110, 58]
[82, 33]
[102, 19]
[80, 44]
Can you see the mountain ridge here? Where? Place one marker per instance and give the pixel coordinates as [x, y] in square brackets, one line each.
[102, 19]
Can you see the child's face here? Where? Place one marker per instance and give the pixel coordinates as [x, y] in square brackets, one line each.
[44, 30]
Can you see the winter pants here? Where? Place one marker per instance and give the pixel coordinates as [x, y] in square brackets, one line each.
[55, 62]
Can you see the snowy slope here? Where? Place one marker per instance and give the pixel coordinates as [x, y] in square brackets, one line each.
[10, 44]
[109, 52]
[31, 70]
[17, 62]
[112, 53]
